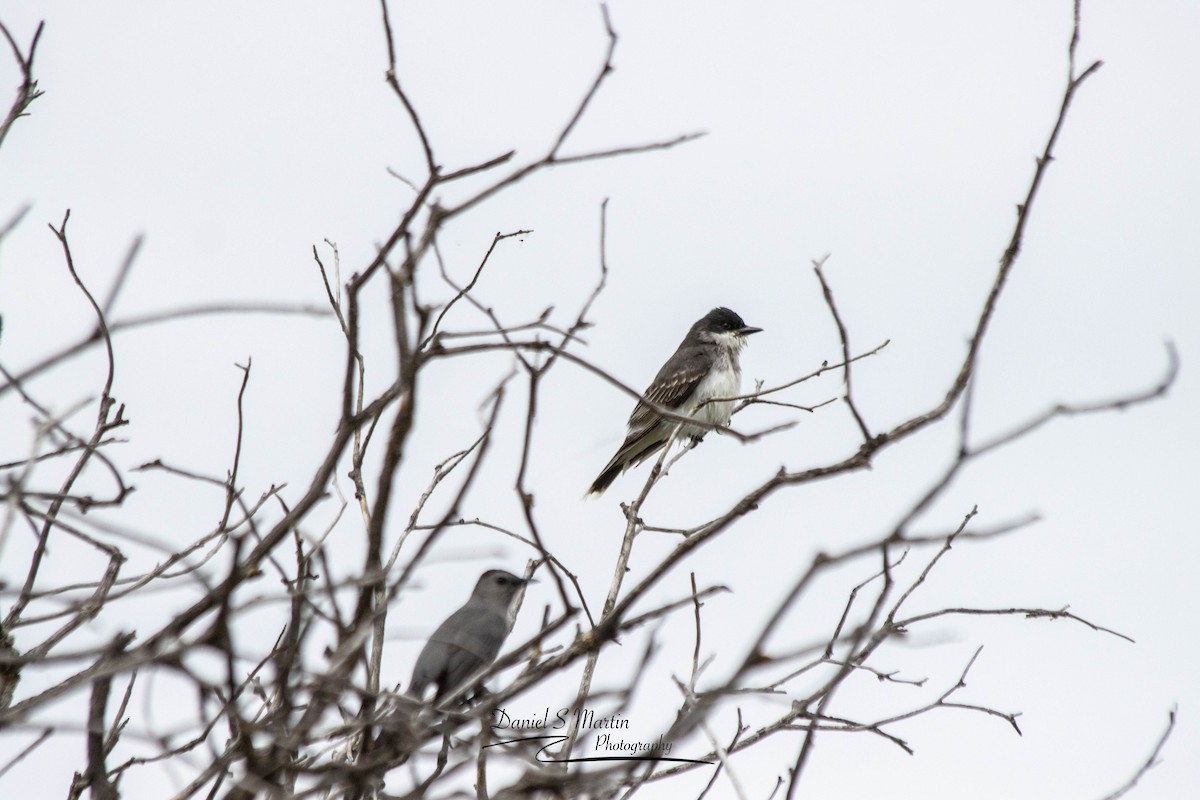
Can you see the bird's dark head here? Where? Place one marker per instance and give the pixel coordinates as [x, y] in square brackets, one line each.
[498, 586]
[723, 325]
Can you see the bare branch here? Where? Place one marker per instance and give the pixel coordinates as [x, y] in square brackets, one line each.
[1150, 762]
[28, 91]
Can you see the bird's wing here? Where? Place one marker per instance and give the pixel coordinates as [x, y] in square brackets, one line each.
[429, 669]
[460, 666]
[469, 639]
[478, 631]
[672, 386]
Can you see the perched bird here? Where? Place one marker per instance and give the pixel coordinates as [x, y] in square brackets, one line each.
[469, 639]
[704, 367]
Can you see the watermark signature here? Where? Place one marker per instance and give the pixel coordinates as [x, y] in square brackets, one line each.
[616, 737]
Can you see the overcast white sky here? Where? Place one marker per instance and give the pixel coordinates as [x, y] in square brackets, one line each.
[897, 137]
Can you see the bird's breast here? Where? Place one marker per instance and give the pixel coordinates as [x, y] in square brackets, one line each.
[723, 380]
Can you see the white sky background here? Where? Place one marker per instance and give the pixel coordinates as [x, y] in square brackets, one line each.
[896, 136]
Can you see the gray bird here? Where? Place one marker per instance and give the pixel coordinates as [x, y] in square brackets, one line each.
[704, 367]
[469, 639]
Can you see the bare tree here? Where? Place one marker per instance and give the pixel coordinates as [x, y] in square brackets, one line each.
[304, 713]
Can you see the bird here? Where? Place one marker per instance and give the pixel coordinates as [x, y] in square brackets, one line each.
[705, 366]
[469, 639]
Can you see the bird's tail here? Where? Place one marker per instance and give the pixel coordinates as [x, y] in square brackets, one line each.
[607, 476]
[638, 446]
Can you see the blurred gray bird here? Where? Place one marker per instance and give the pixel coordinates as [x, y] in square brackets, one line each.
[704, 367]
[469, 639]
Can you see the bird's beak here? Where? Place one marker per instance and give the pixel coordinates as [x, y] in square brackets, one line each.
[746, 330]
